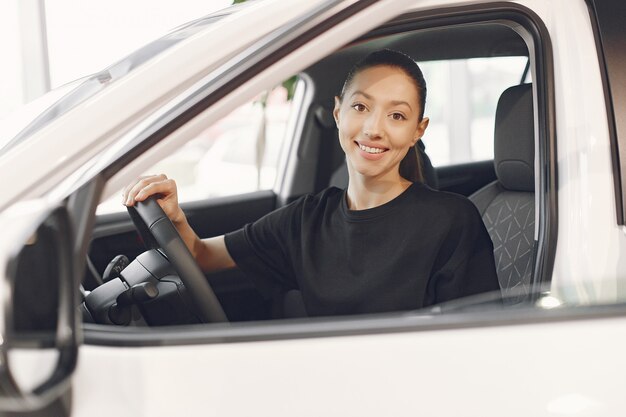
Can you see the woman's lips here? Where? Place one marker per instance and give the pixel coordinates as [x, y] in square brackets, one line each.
[372, 153]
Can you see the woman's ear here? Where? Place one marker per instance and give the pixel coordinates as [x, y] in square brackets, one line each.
[336, 110]
[421, 128]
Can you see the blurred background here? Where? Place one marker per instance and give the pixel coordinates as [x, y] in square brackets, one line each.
[48, 43]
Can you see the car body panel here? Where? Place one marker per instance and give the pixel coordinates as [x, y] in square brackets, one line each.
[586, 194]
[469, 372]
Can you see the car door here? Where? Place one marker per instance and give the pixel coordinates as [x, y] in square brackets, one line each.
[476, 360]
[391, 365]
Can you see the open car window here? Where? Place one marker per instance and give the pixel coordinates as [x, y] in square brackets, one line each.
[238, 154]
[462, 110]
[464, 89]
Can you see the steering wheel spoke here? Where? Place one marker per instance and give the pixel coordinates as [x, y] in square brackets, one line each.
[157, 231]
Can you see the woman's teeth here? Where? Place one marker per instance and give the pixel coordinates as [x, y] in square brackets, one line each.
[371, 150]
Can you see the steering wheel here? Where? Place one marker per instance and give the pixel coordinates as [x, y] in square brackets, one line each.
[157, 231]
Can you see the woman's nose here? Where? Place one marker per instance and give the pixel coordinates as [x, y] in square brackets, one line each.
[373, 126]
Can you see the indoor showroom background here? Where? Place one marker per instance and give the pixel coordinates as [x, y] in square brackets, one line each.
[45, 44]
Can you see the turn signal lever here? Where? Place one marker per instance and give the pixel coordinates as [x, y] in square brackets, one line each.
[115, 267]
[120, 311]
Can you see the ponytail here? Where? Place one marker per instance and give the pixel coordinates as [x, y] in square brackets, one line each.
[411, 166]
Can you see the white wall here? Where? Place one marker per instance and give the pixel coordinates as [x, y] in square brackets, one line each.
[82, 37]
[11, 68]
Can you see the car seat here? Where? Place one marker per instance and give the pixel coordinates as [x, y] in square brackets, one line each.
[507, 205]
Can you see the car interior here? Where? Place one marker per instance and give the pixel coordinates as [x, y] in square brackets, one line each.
[501, 186]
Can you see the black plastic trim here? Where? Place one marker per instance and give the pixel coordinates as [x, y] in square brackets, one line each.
[66, 337]
[607, 40]
[338, 327]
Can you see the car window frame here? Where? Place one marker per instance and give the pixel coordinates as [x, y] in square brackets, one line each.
[536, 33]
[611, 47]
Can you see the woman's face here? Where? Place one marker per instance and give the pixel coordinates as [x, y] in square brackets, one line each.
[378, 121]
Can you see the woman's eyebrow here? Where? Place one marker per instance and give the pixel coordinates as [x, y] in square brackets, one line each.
[361, 93]
[399, 102]
[393, 102]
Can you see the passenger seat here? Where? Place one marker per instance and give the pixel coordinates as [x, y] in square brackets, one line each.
[507, 205]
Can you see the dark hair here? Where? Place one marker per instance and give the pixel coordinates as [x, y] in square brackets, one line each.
[411, 164]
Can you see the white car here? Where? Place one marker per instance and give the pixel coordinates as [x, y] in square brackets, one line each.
[87, 333]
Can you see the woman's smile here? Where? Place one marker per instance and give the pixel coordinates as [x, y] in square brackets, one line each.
[370, 151]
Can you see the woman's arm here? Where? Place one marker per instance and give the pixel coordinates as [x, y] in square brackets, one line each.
[210, 254]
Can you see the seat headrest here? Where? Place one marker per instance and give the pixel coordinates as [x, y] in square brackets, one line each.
[514, 139]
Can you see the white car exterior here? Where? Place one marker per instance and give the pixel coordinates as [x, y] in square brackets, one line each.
[540, 364]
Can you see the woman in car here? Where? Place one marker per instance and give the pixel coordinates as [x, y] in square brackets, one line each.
[386, 243]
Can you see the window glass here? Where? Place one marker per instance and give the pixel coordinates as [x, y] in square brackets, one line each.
[237, 154]
[462, 113]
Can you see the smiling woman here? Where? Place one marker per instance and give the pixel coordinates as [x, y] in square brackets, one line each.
[386, 243]
[382, 113]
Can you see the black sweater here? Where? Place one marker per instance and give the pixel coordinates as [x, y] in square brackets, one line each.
[421, 248]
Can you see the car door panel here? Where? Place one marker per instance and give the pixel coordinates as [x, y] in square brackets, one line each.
[392, 373]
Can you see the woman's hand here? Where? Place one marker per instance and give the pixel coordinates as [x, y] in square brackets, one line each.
[161, 186]
[211, 254]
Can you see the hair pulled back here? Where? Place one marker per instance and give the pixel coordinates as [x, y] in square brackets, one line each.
[411, 164]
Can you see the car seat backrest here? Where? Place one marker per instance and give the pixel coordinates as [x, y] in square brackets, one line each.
[507, 205]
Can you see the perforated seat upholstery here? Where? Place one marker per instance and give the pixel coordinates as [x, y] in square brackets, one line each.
[507, 205]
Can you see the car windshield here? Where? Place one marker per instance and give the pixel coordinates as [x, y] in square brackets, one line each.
[96, 82]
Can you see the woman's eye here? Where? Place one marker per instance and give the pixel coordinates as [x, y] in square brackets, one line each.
[398, 116]
[358, 107]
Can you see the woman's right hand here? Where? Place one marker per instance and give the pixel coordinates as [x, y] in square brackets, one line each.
[161, 186]
[211, 254]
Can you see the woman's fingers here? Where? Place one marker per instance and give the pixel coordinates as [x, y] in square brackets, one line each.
[166, 188]
[147, 186]
[126, 191]
[160, 185]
